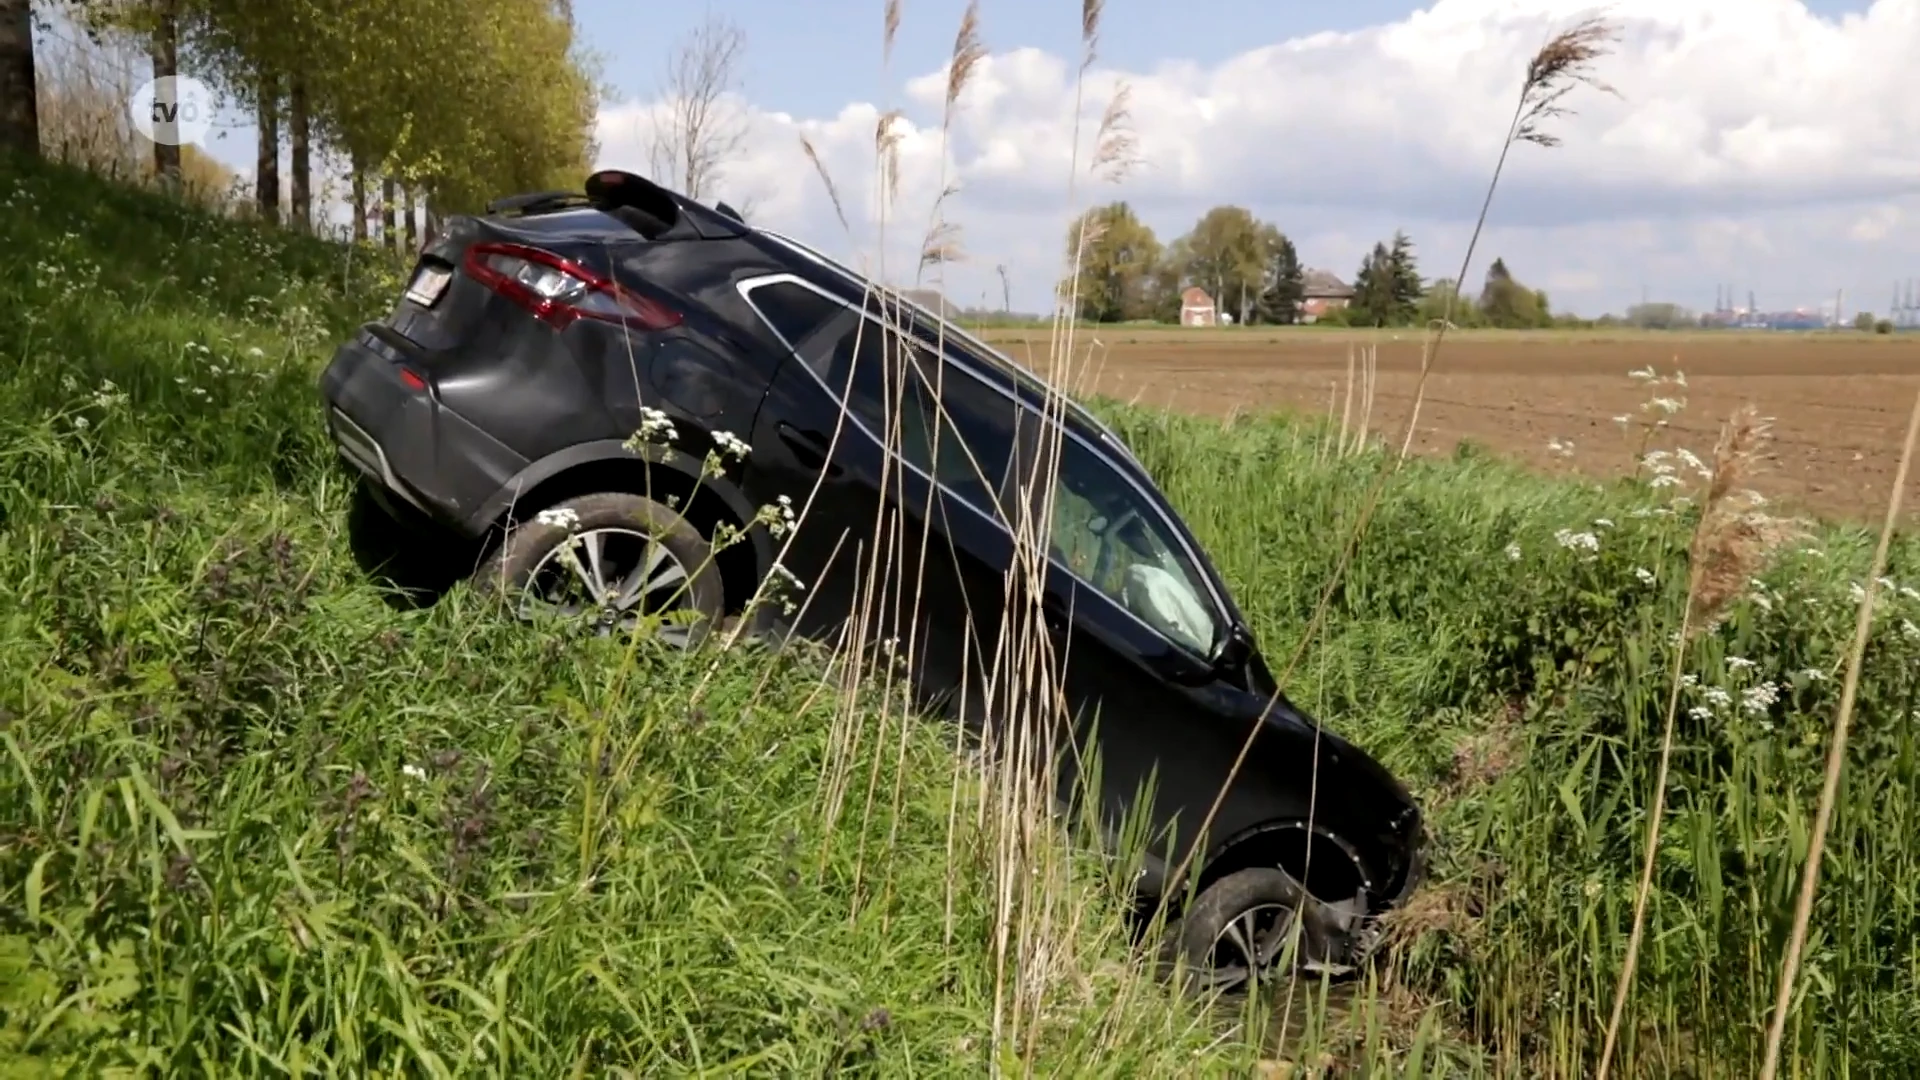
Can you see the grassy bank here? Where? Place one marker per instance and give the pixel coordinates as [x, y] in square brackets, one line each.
[1506, 642]
[254, 820]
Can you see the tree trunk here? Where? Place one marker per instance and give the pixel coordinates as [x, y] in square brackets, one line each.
[413, 225]
[19, 104]
[433, 218]
[301, 135]
[266, 164]
[165, 50]
[359, 204]
[389, 195]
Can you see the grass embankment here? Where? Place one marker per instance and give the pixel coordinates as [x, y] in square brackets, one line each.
[254, 820]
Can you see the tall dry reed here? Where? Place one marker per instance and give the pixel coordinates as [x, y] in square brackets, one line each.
[1732, 542]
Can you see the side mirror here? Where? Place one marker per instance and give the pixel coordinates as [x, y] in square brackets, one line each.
[1234, 653]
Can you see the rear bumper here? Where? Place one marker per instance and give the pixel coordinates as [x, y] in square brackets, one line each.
[405, 441]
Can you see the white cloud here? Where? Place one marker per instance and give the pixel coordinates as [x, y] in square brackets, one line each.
[1753, 143]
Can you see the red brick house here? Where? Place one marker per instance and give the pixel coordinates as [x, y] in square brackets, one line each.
[1322, 292]
[1196, 308]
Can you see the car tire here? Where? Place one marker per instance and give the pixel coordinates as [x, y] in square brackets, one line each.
[528, 546]
[1254, 906]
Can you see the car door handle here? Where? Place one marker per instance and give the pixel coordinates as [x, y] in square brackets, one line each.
[810, 447]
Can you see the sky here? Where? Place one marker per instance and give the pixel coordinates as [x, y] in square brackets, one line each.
[1769, 145]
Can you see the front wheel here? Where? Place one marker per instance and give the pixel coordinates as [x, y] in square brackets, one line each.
[1242, 929]
[612, 560]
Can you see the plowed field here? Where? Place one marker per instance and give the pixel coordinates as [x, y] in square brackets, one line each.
[1840, 400]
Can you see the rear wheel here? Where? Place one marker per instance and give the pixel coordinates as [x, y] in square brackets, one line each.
[610, 560]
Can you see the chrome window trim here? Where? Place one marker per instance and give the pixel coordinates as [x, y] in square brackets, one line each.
[1220, 608]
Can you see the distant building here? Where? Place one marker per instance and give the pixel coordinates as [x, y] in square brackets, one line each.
[1322, 292]
[1196, 308]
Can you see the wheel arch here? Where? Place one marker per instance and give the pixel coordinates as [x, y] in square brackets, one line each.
[669, 476]
[1347, 823]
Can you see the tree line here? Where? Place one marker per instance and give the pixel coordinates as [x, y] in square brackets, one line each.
[440, 103]
[1253, 273]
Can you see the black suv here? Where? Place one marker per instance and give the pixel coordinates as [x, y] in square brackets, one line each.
[590, 390]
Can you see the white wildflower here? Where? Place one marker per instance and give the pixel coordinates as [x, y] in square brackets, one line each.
[1689, 681]
[1645, 575]
[1577, 541]
[1513, 552]
[1716, 696]
[1814, 674]
[1759, 697]
[656, 426]
[1741, 663]
[1603, 523]
[1665, 480]
[731, 444]
[1700, 712]
[413, 772]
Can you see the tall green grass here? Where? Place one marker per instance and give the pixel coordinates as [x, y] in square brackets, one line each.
[254, 820]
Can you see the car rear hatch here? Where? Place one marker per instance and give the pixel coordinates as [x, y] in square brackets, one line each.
[448, 295]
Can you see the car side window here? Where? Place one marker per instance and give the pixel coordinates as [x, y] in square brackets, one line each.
[1115, 539]
[794, 311]
[953, 427]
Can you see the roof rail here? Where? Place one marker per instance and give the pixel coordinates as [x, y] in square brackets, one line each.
[535, 202]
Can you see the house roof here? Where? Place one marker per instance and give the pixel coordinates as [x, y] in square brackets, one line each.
[1319, 284]
[1195, 296]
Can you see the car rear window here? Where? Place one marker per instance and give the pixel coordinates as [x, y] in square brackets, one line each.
[793, 311]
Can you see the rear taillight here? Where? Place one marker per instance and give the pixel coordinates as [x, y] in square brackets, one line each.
[559, 291]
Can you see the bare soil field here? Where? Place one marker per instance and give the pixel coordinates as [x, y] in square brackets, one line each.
[1839, 400]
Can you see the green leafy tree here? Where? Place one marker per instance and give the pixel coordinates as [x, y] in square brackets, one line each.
[1863, 322]
[1228, 253]
[1508, 304]
[1118, 256]
[1442, 300]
